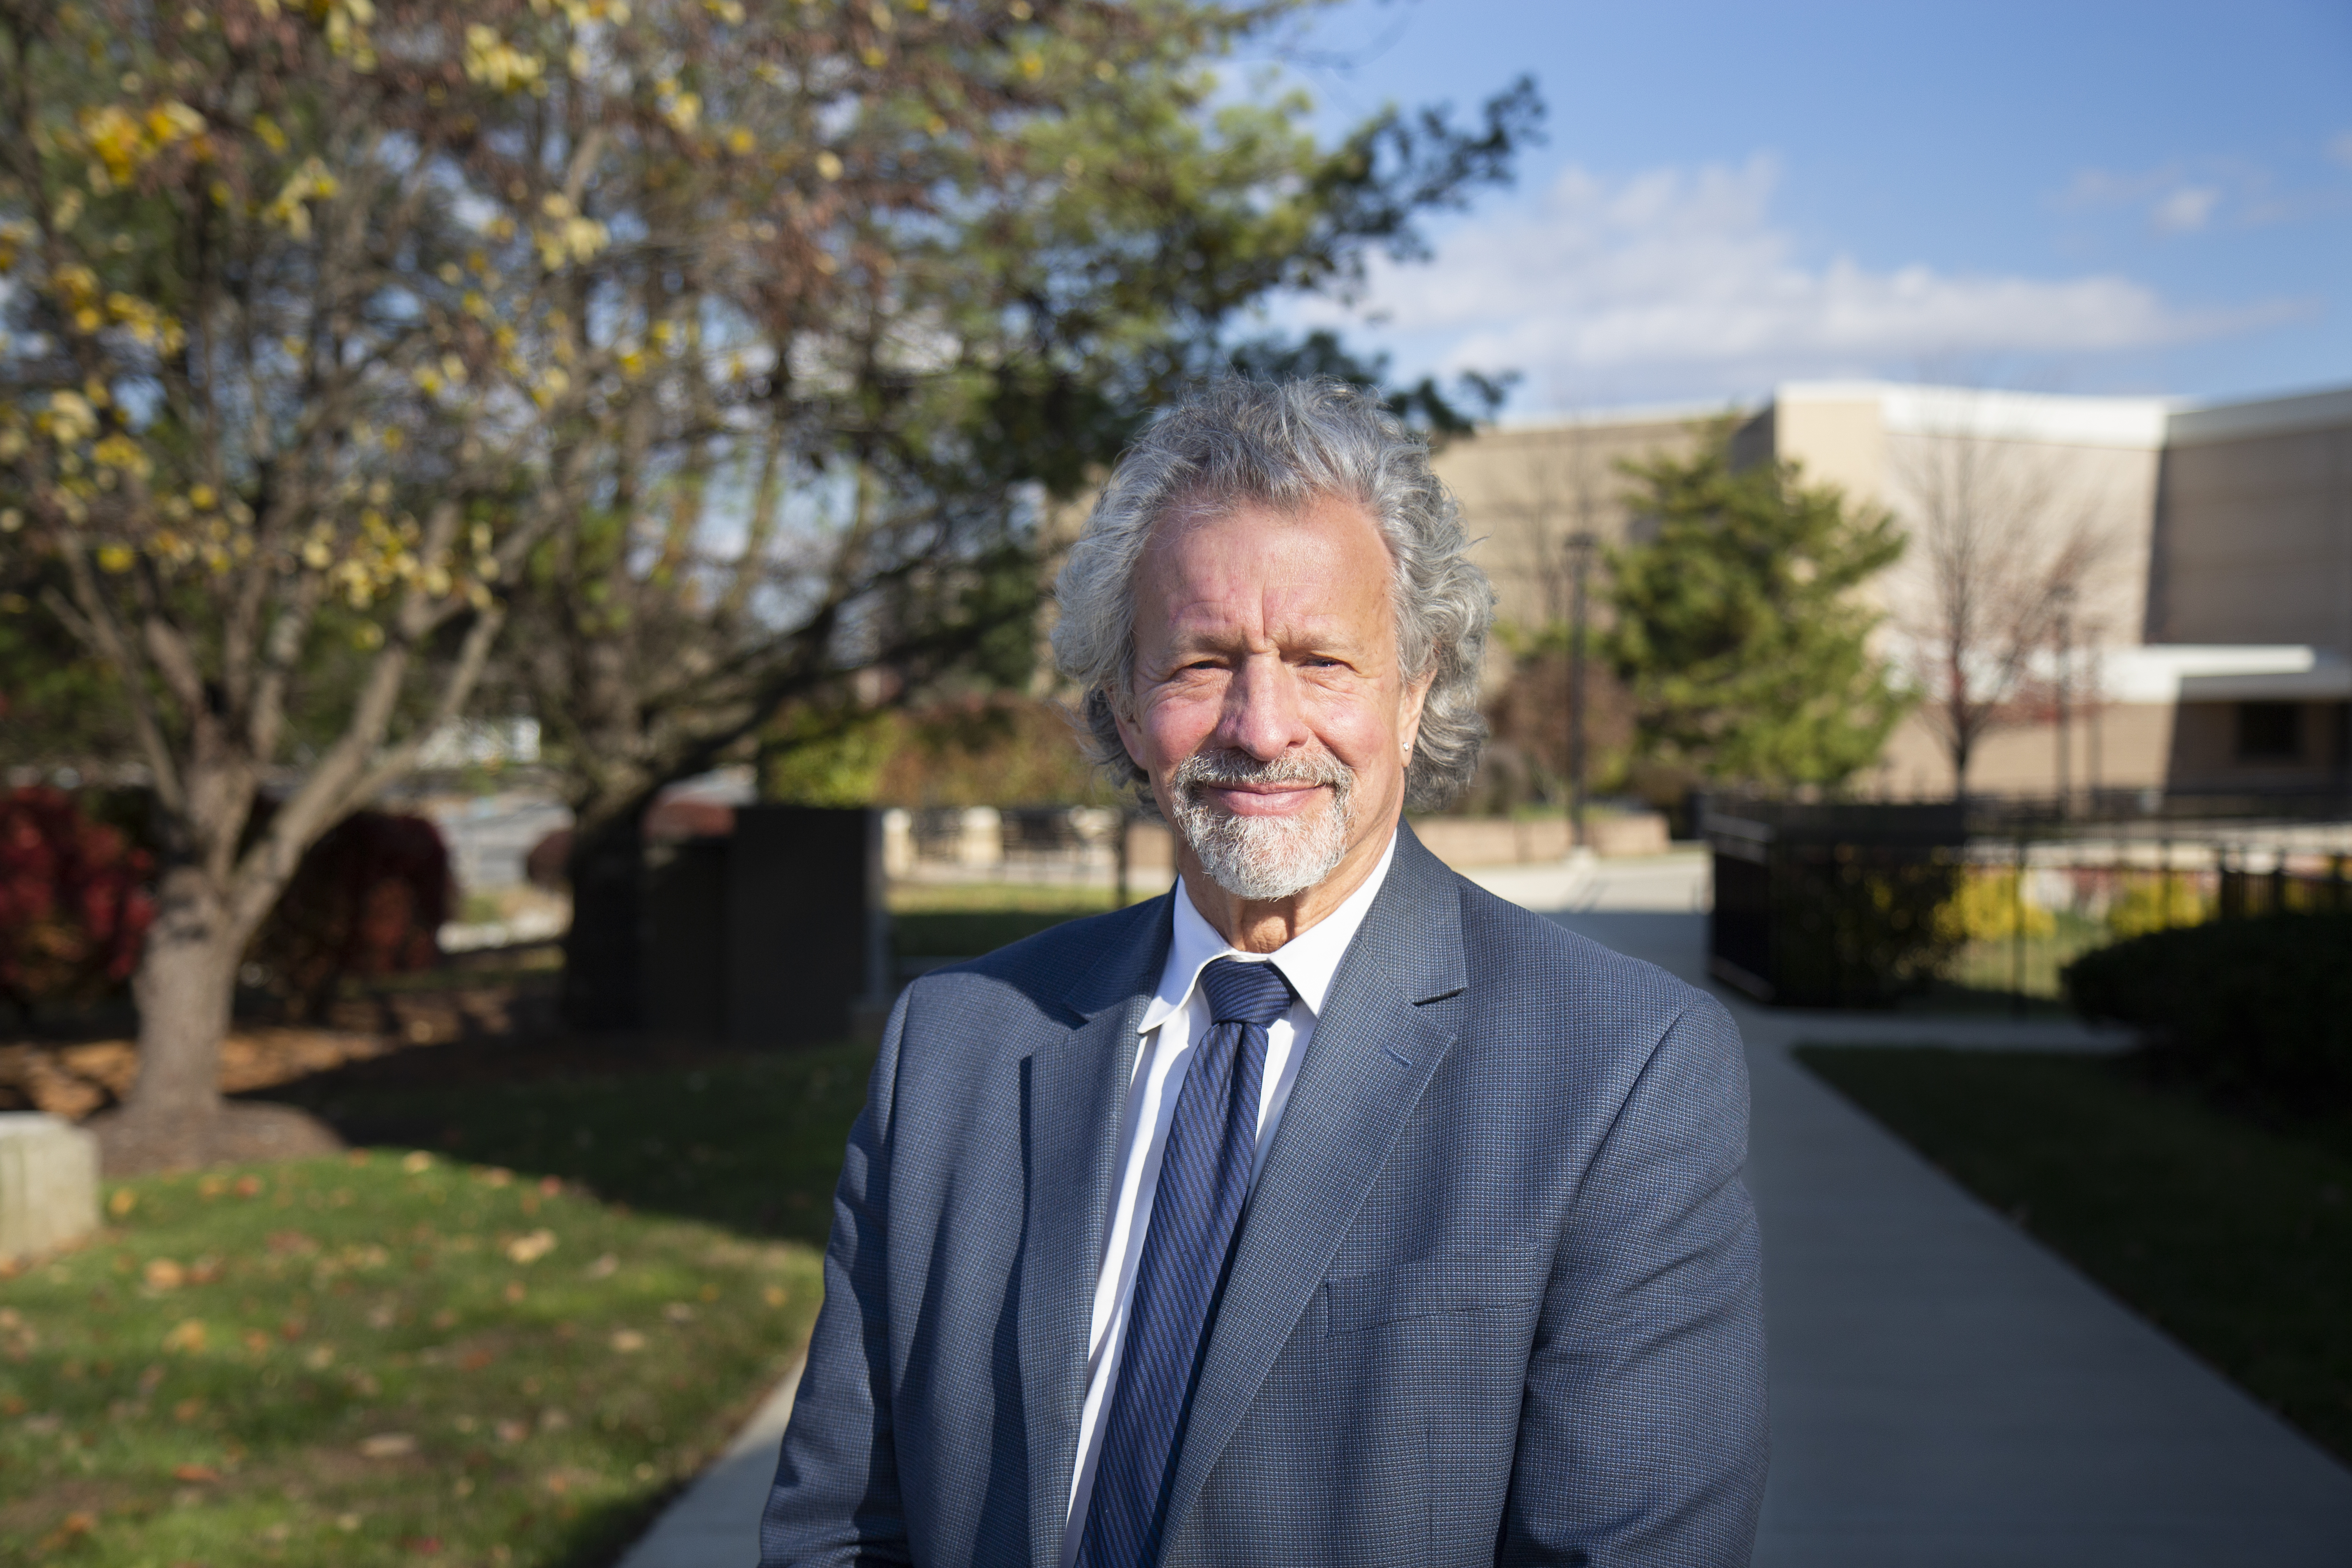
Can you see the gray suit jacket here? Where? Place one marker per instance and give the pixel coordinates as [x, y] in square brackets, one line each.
[1496, 1299]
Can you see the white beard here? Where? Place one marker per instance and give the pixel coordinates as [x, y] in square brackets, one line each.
[1263, 858]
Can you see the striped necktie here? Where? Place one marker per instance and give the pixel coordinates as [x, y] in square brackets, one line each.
[1204, 1176]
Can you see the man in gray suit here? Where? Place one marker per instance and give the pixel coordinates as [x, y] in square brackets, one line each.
[1326, 1210]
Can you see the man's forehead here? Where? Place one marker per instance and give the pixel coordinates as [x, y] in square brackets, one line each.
[1298, 561]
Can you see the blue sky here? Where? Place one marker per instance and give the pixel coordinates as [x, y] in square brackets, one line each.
[2072, 197]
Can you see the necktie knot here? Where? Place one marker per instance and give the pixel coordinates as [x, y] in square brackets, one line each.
[1239, 993]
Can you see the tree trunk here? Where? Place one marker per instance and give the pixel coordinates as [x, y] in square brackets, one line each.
[604, 955]
[184, 985]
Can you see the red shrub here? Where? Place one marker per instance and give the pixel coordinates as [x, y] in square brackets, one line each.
[368, 899]
[74, 902]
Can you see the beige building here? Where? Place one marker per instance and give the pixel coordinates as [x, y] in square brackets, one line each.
[2200, 635]
[1527, 489]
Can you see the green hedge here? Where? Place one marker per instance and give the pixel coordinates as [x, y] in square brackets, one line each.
[2261, 1006]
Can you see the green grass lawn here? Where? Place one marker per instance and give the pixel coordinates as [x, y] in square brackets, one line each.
[510, 1349]
[1992, 963]
[748, 1140]
[948, 920]
[993, 898]
[967, 933]
[2233, 1235]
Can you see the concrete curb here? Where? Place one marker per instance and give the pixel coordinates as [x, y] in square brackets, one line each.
[715, 1523]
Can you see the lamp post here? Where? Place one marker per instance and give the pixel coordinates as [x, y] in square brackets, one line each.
[1580, 546]
[2065, 596]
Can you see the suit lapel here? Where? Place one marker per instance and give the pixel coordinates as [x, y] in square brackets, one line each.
[1374, 1052]
[1074, 1096]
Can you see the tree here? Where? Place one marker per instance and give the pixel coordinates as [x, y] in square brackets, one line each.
[835, 500]
[2006, 537]
[328, 319]
[1739, 627]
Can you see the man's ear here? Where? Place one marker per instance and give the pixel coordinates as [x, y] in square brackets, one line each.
[1129, 735]
[1417, 698]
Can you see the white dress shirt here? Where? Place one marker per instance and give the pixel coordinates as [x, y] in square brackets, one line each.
[1179, 1014]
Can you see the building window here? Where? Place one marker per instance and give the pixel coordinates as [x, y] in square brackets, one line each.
[2270, 732]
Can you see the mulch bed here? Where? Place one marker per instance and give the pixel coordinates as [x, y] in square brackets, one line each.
[500, 1030]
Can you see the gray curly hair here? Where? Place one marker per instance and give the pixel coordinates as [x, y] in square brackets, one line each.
[1283, 444]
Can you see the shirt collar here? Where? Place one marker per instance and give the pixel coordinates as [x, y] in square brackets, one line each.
[1309, 960]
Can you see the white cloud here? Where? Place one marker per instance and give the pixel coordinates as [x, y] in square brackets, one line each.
[1680, 281]
[2186, 210]
[2191, 195]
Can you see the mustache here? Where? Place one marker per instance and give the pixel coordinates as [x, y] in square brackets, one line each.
[1226, 766]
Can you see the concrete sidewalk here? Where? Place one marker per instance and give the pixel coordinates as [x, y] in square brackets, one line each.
[1945, 1390]
[715, 1523]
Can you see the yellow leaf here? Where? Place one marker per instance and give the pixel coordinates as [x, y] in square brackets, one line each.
[187, 1338]
[531, 1248]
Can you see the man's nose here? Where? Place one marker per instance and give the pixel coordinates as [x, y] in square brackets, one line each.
[1262, 713]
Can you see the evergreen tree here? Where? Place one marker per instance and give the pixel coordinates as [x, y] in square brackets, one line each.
[1738, 627]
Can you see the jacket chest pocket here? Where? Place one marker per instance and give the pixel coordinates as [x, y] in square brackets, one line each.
[1426, 1288]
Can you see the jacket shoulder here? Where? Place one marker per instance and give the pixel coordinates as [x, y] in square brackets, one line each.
[1049, 971]
[1522, 956]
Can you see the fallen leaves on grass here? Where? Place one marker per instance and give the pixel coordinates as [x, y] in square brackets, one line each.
[409, 1396]
[529, 1249]
[70, 1529]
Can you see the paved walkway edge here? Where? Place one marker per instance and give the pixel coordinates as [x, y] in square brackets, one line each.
[715, 1523]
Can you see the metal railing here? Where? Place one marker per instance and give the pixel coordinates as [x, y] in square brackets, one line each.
[1842, 905]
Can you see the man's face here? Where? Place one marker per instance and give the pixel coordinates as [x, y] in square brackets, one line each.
[1268, 709]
